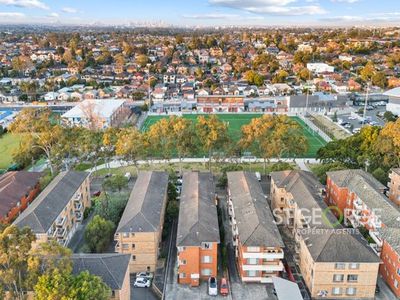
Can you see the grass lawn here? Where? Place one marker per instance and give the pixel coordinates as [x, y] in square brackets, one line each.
[236, 121]
[8, 143]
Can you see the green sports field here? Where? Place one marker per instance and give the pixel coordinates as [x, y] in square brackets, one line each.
[8, 143]
[236, 121]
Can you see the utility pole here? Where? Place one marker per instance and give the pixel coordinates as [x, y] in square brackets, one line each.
[366, 102]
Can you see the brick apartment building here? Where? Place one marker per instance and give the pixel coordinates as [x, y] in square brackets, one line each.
[139, 230]
[362, 198]
[394, 186]
[256, 239]
[17, 191]
[58, 209]
[198, 232]
[335, 264]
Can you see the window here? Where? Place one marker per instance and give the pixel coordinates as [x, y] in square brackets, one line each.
[396, 284]
[352, 278]
[206, 246]
[398, 271]
[133, 257]
[182, 275]
[125, 246]
[336, 291]
[251, 273]
[354, 266]
[133, 246]
[338, 278]
[125, 234]
[132, 234]
[148, 269]
[253, 249]
[183, 262]
[351, 291]
[112, 294]
[252, 261]
[205, 272]
[340, 266]
[206, 259]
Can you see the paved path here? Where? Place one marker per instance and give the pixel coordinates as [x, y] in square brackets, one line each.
[121, 163]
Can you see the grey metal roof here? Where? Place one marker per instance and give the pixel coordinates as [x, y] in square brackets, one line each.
[143, 210]
[47, 206]
[255, 222]
[285, 289]
[198, 218]
[110, 267]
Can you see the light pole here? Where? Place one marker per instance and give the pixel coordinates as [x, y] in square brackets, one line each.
[366, 102]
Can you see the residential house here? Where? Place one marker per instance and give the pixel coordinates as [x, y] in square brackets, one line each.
[256, 239]
[215, 103]
[58, 209]
[198, 232]
[139, 230]
[335, 263]
[17, 190]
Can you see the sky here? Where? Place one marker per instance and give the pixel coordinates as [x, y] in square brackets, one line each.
[203, 12]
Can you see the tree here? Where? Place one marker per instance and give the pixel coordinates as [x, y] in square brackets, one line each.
[389, 116]
[98, 234]
[212, 134]
[142, 60]
[130, 145]
[367, 72]
[117, 182]
[61, 285]
[379, 79]
[160, 138]
[304, 74]
[280, 76]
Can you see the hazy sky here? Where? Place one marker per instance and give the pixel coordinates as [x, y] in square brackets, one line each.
[203, 12]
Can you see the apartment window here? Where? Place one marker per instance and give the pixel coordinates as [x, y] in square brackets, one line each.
[125, 246]
[183, 262]
[396, 284]
[251, 273]
[354, 266]
[398, 271]
[338, 277]
[351, 291]
[182, 275]
[133, 257]
[336, 291]
[133, 246]
[253, 249]
[206, 259]
[352, 278]
[206, 246]
[205, 272]
[112, 294]
[252, 261]
[340, 266]
[132, 234]
[125, 234]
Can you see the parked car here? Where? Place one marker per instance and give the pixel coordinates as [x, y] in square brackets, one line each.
[142, 282]
[212, 286]
[96, 194]
[128, 175]
[223, 290]
[352, 118]
[146, 275]
[258, 175]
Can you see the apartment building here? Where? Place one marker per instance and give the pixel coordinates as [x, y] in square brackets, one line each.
[139, 230]
[112, 268]
[58, 209]
[17, 191]
[198, 231]
[394, 186]
[365, 205]
[335, 263]
[256, 239]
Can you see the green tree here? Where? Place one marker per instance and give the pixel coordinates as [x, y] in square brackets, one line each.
[98, 234]
[131, 145]
[116, 183]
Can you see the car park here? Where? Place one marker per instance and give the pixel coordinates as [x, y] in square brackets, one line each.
[212, 286]
[142, 282]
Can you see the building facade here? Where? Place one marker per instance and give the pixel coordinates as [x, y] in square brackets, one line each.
[256, 239]
[139, 230]
[335, 264]
[198, 230]
[58, 209]
[220, 103]
[394, 186]
[17, 191]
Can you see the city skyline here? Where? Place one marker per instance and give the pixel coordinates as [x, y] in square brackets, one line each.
[202, 12]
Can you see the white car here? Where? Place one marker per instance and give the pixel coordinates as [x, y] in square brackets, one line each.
[352, 118]
[146, 275]
[212, 286]
[142, 282]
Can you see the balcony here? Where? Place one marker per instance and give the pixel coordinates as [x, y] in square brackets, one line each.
[78, 206]
[358, 204]
[60, 222]
[79, 216]
[271, 268]
[264, 255]
[77, 197]
[61, 232]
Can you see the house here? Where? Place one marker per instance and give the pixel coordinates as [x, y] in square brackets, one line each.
[112, 268]
[257, 243]
[394, 186]
[335, 263]
[223, 103]
[51, 96]
[361, 197]
[139, 230]
[58, 209]
[320, 68]
[98, 113]
[17, 191]
[198, 231]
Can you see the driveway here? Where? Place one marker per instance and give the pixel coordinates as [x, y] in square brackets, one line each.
[385, 292]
